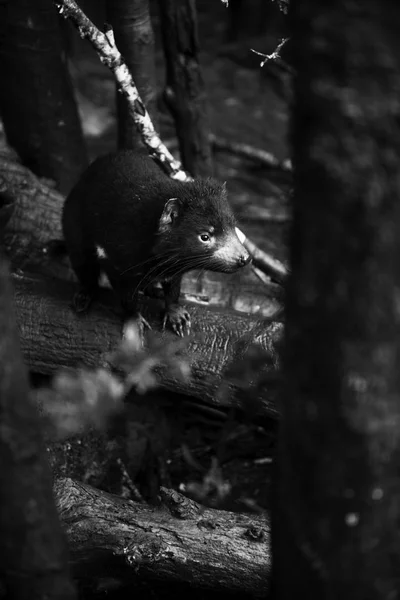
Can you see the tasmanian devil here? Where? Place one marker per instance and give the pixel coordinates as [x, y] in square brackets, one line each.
[128, 219]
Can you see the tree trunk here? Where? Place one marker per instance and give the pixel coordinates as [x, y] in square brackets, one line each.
[247, 19]
[134, 37]
[37, 103]
[34, 560]
[185, 93]
[337, 511]
[181, 542]
[49, 331]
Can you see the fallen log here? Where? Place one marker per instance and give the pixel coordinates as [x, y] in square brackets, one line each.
[33, 210]
[53, 336]
[178, 542]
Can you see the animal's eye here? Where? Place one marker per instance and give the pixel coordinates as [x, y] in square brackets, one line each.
[204, 237]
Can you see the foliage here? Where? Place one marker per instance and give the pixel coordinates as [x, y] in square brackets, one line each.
[82, 399]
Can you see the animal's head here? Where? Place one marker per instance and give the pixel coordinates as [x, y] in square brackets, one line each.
[199, 226]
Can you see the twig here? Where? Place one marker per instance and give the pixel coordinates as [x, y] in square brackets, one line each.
[245, 150]
[136, 496]
[275, 56]
[109, 55]
[250, 152]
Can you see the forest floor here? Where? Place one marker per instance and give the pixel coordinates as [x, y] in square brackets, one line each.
[165, 441]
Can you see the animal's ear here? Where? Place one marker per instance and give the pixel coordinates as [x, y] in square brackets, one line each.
[224, 189]
[169, 214]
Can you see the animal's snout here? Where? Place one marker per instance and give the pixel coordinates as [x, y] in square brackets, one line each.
[231, 255]
[244, 259]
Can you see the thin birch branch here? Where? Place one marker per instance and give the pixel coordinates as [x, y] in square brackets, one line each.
[104, 44]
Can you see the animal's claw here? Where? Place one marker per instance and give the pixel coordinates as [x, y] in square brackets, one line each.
[178, 320]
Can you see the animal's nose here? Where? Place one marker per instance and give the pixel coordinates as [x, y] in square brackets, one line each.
[244, 259]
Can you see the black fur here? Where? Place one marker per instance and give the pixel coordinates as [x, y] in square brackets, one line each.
[123, 205]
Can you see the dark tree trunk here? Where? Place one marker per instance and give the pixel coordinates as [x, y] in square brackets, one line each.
[37, 104]
[33, 557]
[185, 92]
[337, 513]
[134, 37]
[249, 18]
[236, 15]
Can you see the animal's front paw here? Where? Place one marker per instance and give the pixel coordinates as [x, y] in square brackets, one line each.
[178, 320]
[82, 300]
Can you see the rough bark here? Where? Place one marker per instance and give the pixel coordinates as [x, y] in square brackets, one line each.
[337, 512]
[37, 103]
[6, 207]
[130, 20]
[34, 559]
[33, 212]
[179, 542]
[52, 336]
[185, 93]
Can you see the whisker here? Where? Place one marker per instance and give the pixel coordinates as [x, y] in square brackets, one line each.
[151, 258]
[158, 277]
[172, 253]
[171, 265]
[147, 279]
[189, 266]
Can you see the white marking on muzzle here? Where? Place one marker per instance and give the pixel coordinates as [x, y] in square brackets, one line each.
[100, 252]
[240, 235]
[231, 250]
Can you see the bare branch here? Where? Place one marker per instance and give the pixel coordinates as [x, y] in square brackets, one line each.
[263, 261]
[251, 152]
[275, 56]
[104, 44]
